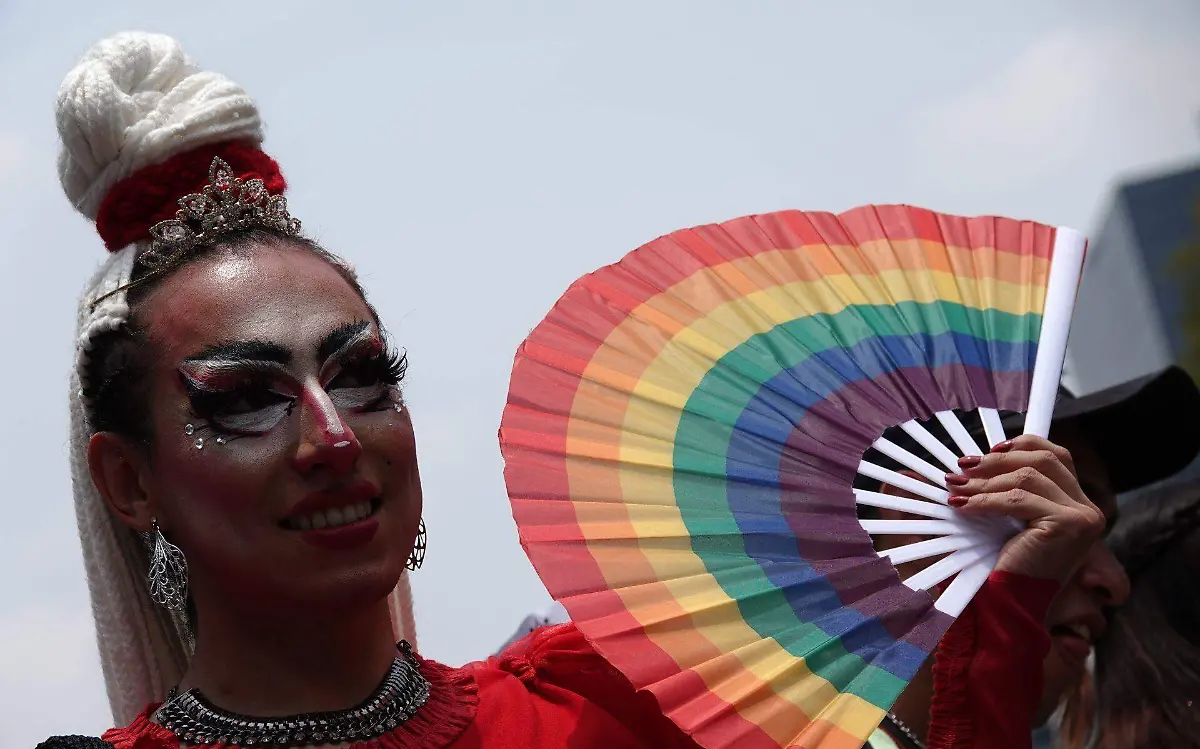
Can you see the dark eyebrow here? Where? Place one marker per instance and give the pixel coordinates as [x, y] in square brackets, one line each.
[245, 351]
[339, 337]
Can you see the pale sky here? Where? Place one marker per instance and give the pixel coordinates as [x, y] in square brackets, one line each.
[473, 158]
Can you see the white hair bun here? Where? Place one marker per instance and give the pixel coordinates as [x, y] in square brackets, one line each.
[135, 100]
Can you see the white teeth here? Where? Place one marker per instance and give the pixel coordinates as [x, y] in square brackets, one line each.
[331, 518]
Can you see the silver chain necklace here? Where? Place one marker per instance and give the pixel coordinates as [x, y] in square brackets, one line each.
[904, 729]
[193, 719]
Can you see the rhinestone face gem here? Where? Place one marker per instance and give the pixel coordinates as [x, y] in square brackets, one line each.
[199, 443]
[221, 440]
[189, 430]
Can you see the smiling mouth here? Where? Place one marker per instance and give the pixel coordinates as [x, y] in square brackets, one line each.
[334, 517]
[1078, 631]
[1073, 641]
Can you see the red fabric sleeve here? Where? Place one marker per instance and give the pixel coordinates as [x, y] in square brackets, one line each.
[988, 668]
[552, 689]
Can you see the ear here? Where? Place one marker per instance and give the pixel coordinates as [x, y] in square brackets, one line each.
[119, 471]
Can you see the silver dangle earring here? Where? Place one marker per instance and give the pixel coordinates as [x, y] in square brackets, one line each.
[167, 579]
[417, 557]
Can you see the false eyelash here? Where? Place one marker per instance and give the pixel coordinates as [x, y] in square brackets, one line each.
[388, 366]
[396, 366]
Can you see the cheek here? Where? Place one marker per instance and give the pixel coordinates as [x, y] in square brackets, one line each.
[216, 487]
[387, 437]
[390, 455]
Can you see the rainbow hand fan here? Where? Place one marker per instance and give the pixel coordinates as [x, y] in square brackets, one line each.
[684, 428]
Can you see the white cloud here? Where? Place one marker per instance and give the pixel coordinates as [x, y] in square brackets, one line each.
[1120, 97]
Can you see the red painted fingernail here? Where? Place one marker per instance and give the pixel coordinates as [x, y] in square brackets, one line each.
[1003, 447]
[957, 501]
[956, 479]
[970, 461]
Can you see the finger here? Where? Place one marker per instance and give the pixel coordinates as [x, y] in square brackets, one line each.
[1014, 503]
[1044, 462]
[1075, 521]
[1033, 443]
[1025, 478]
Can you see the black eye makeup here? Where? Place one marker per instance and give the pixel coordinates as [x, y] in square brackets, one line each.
[360, 373]
[235, 399]
[245, 388]
[368, 382]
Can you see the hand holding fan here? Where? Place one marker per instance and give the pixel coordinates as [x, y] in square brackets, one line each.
[684, 428]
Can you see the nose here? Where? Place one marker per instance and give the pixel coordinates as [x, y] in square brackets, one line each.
[326, 440]
[1104, 577]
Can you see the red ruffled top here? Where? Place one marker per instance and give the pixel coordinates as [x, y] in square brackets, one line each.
[552, 690]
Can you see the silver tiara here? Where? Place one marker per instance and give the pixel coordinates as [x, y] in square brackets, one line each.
[226, 204]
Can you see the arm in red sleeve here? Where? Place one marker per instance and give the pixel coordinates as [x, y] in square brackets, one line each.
[988, 668]
[579, 699]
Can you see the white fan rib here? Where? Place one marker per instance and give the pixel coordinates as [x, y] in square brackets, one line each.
[908, 459]
[966, 585]
[992, 426]
[903, 504]
[913, 527]
[966, 443]
[943, 568]
[935, 447]
[932, 547]
[900, 481]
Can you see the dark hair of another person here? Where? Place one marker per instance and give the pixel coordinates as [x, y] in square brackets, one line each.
[1147, 679]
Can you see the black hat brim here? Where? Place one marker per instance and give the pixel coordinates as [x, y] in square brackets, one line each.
[1145, 430]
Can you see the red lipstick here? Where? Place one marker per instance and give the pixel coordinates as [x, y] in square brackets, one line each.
[344, 535]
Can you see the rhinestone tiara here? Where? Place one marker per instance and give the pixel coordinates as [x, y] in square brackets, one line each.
[225, 205]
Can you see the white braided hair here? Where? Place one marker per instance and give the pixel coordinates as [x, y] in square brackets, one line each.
[136, 100]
